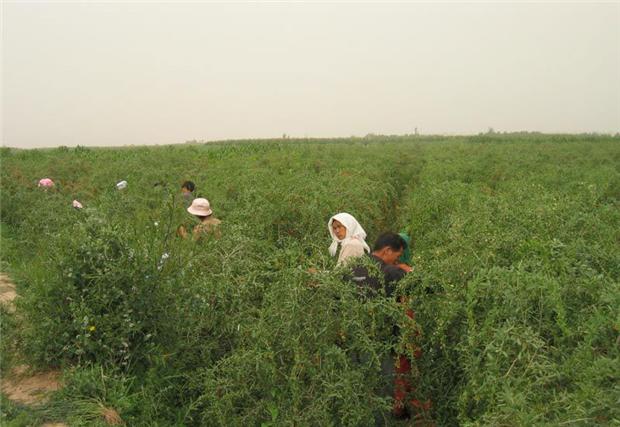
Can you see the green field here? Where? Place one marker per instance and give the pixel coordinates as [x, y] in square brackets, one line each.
[516, 281]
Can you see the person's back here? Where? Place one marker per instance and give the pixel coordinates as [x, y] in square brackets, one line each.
[209, 225]
[201, 209]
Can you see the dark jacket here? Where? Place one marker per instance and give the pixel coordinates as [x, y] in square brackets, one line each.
[372, 285]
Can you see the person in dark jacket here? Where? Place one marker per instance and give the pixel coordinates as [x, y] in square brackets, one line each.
[387, 253]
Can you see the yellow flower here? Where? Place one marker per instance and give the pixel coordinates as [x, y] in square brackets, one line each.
[91, 328]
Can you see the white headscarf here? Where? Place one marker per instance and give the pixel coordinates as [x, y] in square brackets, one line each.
[354, 231]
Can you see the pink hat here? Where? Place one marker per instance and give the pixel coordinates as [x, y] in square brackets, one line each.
[46, 182]
[200, 207]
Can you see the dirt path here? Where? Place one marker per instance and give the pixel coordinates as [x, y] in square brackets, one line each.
[22, 385]
[28, 388]
[7, 292]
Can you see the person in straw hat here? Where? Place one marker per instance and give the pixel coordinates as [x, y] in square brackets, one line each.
[201, 208]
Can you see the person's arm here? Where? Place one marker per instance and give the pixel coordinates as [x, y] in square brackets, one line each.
[406, 268]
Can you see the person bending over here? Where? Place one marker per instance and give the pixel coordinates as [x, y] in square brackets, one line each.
[386, 253]
[387, 250]
[201, 209]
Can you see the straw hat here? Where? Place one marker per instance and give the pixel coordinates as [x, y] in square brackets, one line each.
[200, 207]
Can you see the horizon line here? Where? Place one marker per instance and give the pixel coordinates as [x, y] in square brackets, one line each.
[286, 137]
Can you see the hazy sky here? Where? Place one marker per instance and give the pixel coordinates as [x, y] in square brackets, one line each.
[118, 73]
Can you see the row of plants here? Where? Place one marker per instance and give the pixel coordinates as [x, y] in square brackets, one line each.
[518, 282]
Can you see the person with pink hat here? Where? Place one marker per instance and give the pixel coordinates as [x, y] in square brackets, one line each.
[201, 208]
[46, 183]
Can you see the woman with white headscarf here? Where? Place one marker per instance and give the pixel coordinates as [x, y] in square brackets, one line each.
[347, 233]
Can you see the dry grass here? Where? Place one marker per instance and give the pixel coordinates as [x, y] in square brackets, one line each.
[111, 416]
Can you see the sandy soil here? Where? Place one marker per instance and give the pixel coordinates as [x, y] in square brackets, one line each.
[22, 385]
[7, 292]
[26, 387]
[30, 388]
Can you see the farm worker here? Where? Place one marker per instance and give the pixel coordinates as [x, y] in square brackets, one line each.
[347, 233]
[187, 191]
[121, 185]
[46, 183]
[201, 208]
[387, 252]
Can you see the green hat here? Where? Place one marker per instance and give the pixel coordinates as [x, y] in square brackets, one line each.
[406, 256]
